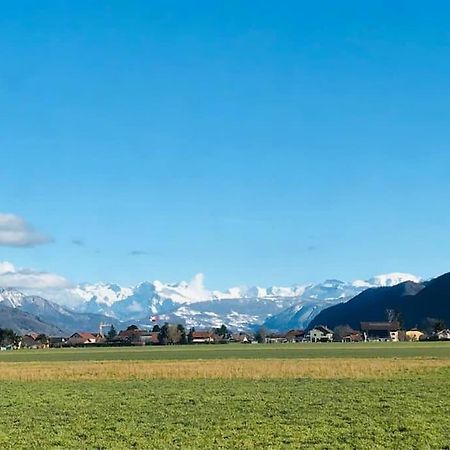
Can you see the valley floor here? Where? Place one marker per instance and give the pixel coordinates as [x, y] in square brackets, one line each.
[399, 397]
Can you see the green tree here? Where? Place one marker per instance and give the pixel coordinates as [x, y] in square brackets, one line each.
[190, 336]
[9, 337]
[112, 333]
[222, 332]
[260, 335]
[42, 339]
[163, 335]
[183, 336]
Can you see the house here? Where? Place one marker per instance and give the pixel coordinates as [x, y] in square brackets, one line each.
[135, 336]
[414, 335]
[381, 331]
[276, 338]
[295, 336]
[242, 338]
[81, 338]
[320, 333]
[354, 336]
[34, 340]
[56, 341]
[443, 335]
[202, 337]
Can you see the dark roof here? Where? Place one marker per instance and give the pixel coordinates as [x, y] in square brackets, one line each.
[83, 335]
[380, 326]
[202, 334]
[323, 329]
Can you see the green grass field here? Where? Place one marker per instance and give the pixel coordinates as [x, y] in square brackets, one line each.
[237, 351]
[405, 410]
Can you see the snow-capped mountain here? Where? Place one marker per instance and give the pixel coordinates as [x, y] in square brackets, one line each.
[239, 307]
[51, 314]
[387, 280]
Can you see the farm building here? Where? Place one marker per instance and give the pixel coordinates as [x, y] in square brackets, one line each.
[381, 331]
[243, 338]
[82, 338]
[203, 337]
[133, 335]
[414, 335]
[321, 333]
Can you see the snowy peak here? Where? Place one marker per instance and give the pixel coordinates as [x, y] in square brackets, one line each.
[387, 280]
[102, 293]
[10, 297]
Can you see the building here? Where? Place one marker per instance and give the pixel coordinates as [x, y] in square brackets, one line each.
[56, 341]
[443, 335]
[81, 338]
[381, 331]
[202, 337]
[295, 336]
[321, 333]
[134, 336]
[275, 338]
[242, 338]
[354, 336]
[414, 335]
[34, 340]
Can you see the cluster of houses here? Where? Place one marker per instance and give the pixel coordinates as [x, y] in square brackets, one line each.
[369, 331]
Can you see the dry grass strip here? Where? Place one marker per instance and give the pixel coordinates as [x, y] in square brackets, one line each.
[220, 369]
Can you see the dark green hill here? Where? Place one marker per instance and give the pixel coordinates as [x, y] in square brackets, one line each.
[415, 302]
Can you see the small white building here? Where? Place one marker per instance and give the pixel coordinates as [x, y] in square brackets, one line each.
[321, 333]
[443, 335]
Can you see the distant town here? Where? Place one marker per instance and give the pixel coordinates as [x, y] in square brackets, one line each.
[176, 334]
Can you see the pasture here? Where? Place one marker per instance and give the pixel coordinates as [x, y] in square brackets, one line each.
[229, 396]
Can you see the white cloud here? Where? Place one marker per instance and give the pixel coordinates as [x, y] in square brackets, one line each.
[15, 277]
[16, 232]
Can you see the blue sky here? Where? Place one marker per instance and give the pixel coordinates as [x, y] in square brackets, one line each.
[256, 142]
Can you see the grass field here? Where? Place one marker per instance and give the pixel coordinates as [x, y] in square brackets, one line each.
[237, 351]
[233, 396]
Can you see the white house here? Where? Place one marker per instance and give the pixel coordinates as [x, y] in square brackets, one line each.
[321, 333]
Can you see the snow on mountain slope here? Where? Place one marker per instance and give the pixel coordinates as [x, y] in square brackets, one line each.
[51, 313]
[194, 305]
[387, 280]
[323, 295]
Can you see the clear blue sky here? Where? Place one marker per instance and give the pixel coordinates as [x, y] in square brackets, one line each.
[257, 142]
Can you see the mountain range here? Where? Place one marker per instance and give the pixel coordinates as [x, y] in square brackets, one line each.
[26, 313]
[239, 308]
[190, 303]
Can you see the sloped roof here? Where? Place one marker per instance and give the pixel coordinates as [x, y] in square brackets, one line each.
[323, 329]
[380, 326]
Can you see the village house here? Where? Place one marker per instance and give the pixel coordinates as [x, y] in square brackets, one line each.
[275, 338]
[203, 337]
[135, 336]
[295, 336]
[443, 335]
[56, 341]
[321, 333]
[242, 338]
[414, 335]
[382, 331]
[81, 338]
[354, 336]
[34, 340]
